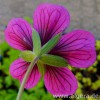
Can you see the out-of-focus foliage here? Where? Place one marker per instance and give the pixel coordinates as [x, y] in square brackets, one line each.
[28, 19]
[88, 79]
[9, 86]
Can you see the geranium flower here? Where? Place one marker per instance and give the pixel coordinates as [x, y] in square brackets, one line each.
[77, 47]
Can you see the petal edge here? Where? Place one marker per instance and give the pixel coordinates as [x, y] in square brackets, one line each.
[60, 81]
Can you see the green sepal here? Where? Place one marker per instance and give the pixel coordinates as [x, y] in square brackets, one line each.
[53, 60]
[41, 67]
[36, 42]
[27, 56]
[50, 44]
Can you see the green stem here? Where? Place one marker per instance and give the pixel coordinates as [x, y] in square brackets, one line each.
[25, 78]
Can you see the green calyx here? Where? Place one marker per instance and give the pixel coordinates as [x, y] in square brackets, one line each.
[53, 60]
[42, 53]
[28, 56]
[41, 67]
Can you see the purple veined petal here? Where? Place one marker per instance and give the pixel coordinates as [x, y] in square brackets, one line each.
[50, 19]
[18, 34]
[18, 69]
[60, 81]
[78, 48]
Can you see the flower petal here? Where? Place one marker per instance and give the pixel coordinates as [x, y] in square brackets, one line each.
[60, 81]
[18, 34]
[78, 48]
[18, 69]
[50, 19]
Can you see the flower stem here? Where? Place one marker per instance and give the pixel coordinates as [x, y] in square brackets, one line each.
[25, 78]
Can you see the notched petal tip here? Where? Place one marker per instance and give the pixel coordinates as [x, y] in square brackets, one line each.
[50, 19]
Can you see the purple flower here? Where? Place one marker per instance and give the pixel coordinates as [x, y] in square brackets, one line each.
[77, 47]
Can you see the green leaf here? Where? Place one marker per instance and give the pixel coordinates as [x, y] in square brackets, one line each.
[41, 67]
[36, 42]
[8, 81]
[28, 19]
[27, 55]
[50, 44]
[53, 60]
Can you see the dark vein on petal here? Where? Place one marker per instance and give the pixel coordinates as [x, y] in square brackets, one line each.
[20, 31]
[20, 66]
[28, 42]
[78, 49]
[44, 21]
[20, 42]
[46, 27]
[34, 70]
[64, 79]
[55, 73]
[29, 82]
[38, 28]
[67, 45]
[59, 27]
[49, 71]
[20, 39]
[73, 61]
[29, 34]
[70, 41]
[50, 32]
[41, 23]
[65, 73]
[79, 58]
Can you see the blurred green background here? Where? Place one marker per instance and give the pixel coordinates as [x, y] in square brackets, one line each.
[88, 79]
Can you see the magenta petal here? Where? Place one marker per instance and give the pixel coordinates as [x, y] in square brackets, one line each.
[50, 19]
[18, 34]
[60, 81]
[18, 69]
[78, 48]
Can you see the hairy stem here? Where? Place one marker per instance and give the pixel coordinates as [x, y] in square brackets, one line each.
[25, 78]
